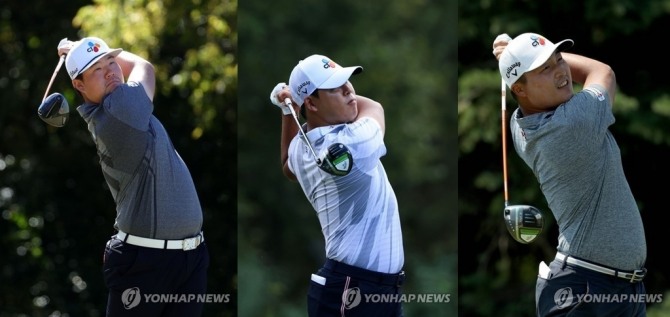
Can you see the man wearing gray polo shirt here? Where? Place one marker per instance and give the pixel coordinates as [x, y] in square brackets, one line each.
[564, 138]
[159, 246]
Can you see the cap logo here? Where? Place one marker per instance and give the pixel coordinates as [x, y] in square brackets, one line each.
[512, 69]
[93, 47]
[537, 40]
[328, 63]
[300, 89]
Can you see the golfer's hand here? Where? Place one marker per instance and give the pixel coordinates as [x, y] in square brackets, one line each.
[277, 96]
[499, 44]
[64, 46]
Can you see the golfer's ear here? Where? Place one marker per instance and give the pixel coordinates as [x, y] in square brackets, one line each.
[309, 104]
[518, 90]
[78, 84]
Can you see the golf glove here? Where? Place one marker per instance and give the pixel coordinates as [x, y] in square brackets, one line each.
[275, 101]
[502, 37]
[64, 46]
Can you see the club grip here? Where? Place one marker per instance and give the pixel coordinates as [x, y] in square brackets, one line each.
[289, 104]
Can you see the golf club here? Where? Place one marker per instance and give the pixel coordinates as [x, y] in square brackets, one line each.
[54, 109]
[523, 222]
[335, 160]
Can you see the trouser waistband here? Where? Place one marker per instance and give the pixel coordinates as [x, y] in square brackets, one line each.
[632, 276]
[184, 244]
[371, 276]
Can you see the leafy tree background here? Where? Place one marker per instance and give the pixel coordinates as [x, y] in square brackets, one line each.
[57, 212]
[497, 275]
[408, 50]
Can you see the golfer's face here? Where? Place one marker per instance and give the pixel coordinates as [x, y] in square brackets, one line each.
[101, 79]
[338, 105]
[550, 84]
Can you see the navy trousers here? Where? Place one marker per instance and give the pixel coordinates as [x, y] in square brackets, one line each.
[151, 282]
[575, 291]
[352, 291]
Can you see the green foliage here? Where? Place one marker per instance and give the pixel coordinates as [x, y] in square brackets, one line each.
[661, 310]
[478, 110]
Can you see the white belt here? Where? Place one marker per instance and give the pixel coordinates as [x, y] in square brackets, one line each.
[185, 244]
[632, 277]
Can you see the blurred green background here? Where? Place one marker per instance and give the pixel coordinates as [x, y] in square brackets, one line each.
[57, 212]
[408, 50]
[496, 274]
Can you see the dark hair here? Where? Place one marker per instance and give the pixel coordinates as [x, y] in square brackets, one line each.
[303, 112]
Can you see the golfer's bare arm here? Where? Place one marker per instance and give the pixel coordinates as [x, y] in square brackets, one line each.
[588, 71]
[138, 69]
[370, 108]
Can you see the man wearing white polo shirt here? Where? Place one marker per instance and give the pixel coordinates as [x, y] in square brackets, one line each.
[347, 187]
[159, 247]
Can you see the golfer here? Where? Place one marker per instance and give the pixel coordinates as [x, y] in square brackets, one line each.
[358, 212]
[564, 138]
[158, 247]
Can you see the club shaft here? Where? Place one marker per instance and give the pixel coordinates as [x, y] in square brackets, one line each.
[60, 63]
[289, 104]
[503, 90]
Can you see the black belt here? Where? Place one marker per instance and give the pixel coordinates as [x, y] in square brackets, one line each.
[371, 276]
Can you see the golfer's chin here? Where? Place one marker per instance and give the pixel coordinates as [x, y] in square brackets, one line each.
[111, 86]
[352, 117]
[565, 98]
[345, 117]
[566, 93]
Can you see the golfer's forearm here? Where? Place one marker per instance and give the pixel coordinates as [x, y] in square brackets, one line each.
[370, 108]
[138, 69]
[130, 62]
[584, 68]
[587, 71]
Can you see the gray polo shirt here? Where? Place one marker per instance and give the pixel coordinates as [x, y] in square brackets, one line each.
[578, 165]
[150, 183]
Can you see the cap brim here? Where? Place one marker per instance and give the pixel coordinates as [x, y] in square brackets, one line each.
[340, 77]
[560, 46]
[114, 52]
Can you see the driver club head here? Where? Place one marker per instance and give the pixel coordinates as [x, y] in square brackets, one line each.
[336, 160]
[524, 223]
[54, 110]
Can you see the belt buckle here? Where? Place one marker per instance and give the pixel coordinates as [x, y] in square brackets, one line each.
[638, 275]
[401, 279]
[190, 243]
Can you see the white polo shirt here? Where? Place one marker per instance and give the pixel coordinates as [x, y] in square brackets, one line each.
[358, 212]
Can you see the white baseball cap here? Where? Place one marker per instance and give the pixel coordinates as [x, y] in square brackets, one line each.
[86, 52]
[527, 52]
[317, 72]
